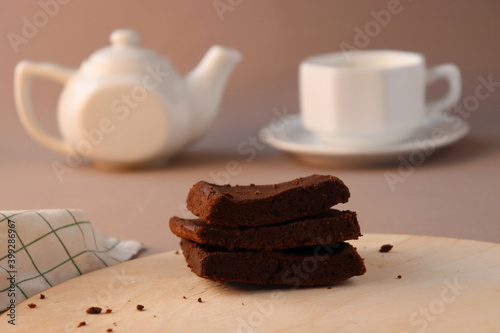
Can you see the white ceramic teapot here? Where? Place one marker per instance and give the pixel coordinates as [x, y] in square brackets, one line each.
[127, 106]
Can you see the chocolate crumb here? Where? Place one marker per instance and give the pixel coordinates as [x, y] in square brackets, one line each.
[258, 192]
[109, 330]
[32, 305]
[385, 248]
[177, 252]
[140, 307]
[329, 287]
[199, 300]
[242, 303]
[94, 310]
[184, 297]
[154, 316]
[115, 324]
[275, 186]
[42, 296]
[82, 323]
[296, 182]
[399, 276]
[109, 310]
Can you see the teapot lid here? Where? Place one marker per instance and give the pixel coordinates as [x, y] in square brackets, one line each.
[124, 53]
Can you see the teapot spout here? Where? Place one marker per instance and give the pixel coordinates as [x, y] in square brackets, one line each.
[205, 86]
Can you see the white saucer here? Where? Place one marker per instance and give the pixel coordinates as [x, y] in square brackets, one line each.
[295, 139]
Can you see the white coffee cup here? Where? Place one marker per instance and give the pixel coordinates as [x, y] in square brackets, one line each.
[374, 97]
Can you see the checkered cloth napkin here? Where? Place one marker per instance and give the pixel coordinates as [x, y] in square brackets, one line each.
[41, 248]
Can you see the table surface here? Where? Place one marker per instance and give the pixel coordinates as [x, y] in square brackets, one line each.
[454, 193]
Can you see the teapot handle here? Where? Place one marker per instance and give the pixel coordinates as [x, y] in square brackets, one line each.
[24, 72]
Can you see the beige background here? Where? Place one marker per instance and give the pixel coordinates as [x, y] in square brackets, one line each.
[455, 193]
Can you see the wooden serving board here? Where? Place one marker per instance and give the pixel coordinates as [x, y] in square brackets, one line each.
[446, 285]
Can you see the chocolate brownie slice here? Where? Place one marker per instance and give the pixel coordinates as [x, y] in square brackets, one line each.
[305, 266]
[252, 205]
[329, 227]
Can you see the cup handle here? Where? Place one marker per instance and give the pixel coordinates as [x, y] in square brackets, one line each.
[24, 72]
[450, 73]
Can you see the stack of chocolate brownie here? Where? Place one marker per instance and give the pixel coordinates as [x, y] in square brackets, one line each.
[271, 234]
